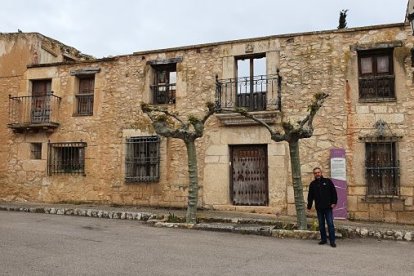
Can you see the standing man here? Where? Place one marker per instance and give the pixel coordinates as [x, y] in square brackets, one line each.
[323, 191]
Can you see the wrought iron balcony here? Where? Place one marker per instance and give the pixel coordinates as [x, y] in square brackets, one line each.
[163, 93]
[255, 94]
[34, 112]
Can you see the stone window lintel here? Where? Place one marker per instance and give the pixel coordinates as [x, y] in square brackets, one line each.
[377, 45]
[165, 61]
[85, 71]
[235, 119]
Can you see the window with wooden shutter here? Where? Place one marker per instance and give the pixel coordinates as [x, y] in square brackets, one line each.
[85, 95]
[376, 75]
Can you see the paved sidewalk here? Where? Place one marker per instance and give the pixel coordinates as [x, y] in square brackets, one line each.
[213, 220]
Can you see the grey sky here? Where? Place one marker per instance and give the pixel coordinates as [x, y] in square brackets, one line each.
[114, 27]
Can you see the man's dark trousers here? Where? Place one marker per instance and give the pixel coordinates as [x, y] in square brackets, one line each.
[326, 214]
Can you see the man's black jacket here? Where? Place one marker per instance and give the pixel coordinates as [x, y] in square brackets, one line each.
[323, 191]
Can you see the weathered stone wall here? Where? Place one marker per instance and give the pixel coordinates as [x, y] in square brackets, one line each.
[309, 63]
[17, 51]
[327, 63]
[15, 54]
[120, 87]
[7, 86]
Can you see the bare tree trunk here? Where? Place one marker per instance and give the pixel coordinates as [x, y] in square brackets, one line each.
[191, 216]
[169, 124]
[297, 184]
[292, 133]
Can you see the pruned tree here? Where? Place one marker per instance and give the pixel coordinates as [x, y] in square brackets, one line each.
[168, 124]
[292, 133]
[342, 19]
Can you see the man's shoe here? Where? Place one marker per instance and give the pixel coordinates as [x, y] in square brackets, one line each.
[333, 244]
[322, 242]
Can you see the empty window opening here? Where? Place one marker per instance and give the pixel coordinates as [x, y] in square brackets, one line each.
[164, 87]
[251, 66]
[251, 82]
[36, 150]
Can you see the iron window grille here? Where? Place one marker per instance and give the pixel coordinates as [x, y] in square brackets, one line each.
[376, 75]
[381, 168]
[142, 160]
[66, 158]
[36, 151]
[84, 98]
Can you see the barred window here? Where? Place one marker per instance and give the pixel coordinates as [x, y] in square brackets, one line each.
[142, 161]
[84, 98]
[382, 169]
[376, 75]
[36, 150]
[66, 158]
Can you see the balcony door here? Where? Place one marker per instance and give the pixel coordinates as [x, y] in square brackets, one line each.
[41, 90]
[251, 82]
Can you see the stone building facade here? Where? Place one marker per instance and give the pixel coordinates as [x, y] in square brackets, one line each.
[17, 50]
[89, 141]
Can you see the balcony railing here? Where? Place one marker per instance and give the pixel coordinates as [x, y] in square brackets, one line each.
[34, 112]
[255, 94]
[163, 93]
[379, 87]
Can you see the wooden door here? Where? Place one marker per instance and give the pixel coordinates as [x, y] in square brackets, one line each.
[249, 185]
[41, 90]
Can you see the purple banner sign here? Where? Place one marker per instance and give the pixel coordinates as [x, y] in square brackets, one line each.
[338, 177]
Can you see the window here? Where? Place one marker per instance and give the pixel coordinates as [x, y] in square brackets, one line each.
[376, 75]
[165, 78]
[142, 159]
[66, 158]
[382, 169]
[251, 82]
[251, 66]
[36, 150]
[84, 98]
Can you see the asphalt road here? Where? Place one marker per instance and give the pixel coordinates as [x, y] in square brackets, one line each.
[41, 244]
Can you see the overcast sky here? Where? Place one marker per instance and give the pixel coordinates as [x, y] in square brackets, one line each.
[114, 27]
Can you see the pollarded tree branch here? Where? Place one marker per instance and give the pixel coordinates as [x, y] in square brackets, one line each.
[198, 124]
[318, 100]
[164, 127]
[150, 109]
[292, 133]
[276, 136]
[211, 110]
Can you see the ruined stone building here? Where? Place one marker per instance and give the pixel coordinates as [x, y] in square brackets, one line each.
[72, 129]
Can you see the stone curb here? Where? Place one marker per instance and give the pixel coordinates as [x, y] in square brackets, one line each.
[234, 225]
[141, 216]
